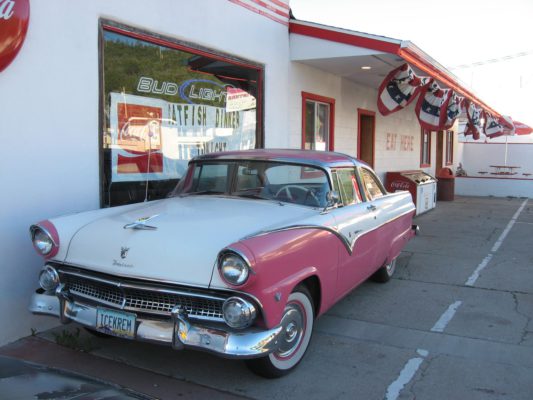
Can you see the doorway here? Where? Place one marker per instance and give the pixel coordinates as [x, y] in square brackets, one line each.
[366, 135]
[440, 151]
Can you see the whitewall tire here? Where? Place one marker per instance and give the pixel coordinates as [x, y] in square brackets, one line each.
[297, 323]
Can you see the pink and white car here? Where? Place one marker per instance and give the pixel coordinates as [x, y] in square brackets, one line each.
[247, 251]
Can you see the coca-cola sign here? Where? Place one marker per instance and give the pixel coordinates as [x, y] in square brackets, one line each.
[400, 185]
[14, 19]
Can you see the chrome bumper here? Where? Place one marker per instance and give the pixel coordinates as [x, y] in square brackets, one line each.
[179, 332]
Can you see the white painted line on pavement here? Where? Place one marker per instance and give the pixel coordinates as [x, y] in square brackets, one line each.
[445, 318]
[474, 277]
[480, 267]
[407, 373]
[508, 228]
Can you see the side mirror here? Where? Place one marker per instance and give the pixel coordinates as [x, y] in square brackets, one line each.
[332, 199]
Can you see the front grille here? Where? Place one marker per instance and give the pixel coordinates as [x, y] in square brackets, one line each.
[141, 297]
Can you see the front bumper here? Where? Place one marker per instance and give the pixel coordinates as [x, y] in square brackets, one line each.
[179, 332]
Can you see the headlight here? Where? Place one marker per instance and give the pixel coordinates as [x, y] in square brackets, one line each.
[238, 313]
[42, 241]
[233, 268]
[49, 278]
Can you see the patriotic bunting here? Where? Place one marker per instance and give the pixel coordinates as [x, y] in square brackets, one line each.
[432, 106]
[437, 108]
[493, 128]
[454, 109]
[473, 126]
[399, 89]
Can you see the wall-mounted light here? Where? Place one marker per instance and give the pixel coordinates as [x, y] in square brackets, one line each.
[366, 67]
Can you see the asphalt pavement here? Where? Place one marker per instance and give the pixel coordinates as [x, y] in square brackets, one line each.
[455, 322]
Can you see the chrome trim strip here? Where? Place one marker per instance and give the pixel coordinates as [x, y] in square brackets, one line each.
[295, 227]
[60, 264]
[348, 244]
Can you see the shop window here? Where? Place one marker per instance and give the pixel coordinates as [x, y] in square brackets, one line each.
[449, 147]
[164, 103]
[425, 148]
[371, 185]
[317, 122]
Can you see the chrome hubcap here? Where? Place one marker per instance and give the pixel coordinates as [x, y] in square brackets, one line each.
[293, 322]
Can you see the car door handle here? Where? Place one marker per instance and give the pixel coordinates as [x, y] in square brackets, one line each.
[371, 207]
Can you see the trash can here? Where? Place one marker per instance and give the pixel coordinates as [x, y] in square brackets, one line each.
[445, 185]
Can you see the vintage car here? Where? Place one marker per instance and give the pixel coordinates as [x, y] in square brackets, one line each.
[241, 258]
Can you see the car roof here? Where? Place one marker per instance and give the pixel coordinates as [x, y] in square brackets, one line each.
[320, 159]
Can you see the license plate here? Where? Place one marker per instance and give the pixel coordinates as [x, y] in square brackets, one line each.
[116, 323]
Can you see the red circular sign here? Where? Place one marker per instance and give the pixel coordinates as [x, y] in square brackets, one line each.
[14, 19]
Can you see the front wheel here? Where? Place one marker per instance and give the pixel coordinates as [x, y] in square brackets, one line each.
[297, 323]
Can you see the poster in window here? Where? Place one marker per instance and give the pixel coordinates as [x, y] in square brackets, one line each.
[153, 139]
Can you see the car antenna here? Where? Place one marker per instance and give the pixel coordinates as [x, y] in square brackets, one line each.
[150, 134]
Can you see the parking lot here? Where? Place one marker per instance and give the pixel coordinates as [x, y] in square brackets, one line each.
[454, 323]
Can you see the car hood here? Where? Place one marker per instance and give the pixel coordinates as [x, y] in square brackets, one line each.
[189, 233]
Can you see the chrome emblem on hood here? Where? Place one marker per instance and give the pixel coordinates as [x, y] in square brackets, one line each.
[141, 224]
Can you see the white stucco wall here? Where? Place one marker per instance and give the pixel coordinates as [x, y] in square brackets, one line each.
[350, 96]
[49, 115]
[478, 157]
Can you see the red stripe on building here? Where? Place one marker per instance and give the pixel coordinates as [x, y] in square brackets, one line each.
[271, 8]
[279, 3]
[260, 12]
[346, 38]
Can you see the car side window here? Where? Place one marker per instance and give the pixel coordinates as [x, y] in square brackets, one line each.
[345, 184]
[211, 177]
[371, 185]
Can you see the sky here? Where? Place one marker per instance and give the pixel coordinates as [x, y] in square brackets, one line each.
[454, 33]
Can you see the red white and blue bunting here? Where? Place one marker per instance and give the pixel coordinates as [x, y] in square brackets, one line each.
[399, 89]
[437, 109]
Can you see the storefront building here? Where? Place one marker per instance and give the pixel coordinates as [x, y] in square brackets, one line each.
[106, 102]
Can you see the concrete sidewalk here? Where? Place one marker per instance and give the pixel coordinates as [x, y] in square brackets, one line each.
[456, 322]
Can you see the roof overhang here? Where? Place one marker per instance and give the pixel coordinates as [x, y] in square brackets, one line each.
[343, 52]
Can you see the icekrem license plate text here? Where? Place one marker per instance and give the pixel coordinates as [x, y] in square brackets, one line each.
[116, 323]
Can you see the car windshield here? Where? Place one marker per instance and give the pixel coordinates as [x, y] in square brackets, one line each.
[298, 184]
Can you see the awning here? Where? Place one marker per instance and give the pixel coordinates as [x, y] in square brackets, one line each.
[344, 52]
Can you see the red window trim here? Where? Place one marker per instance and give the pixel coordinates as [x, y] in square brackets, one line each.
[328, 100]
[422, 165]
[449, 150]
[362, 112]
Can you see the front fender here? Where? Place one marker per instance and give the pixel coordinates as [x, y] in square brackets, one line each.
[281, 260]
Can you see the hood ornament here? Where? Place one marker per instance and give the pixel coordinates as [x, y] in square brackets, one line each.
[141, 224]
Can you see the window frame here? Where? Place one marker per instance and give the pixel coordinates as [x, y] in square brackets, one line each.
[306, 96]
[337, 186]
[175, 44]
[368, 197]
[425, 163]
[448, 154]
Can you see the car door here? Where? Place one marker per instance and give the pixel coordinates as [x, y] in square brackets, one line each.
[379, 204]
[354, 219]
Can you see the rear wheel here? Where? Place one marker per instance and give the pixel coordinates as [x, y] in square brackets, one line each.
[297, 323]
[384, 274]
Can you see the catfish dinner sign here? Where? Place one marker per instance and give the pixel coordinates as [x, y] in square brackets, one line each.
[153, 139]
[14, 19]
